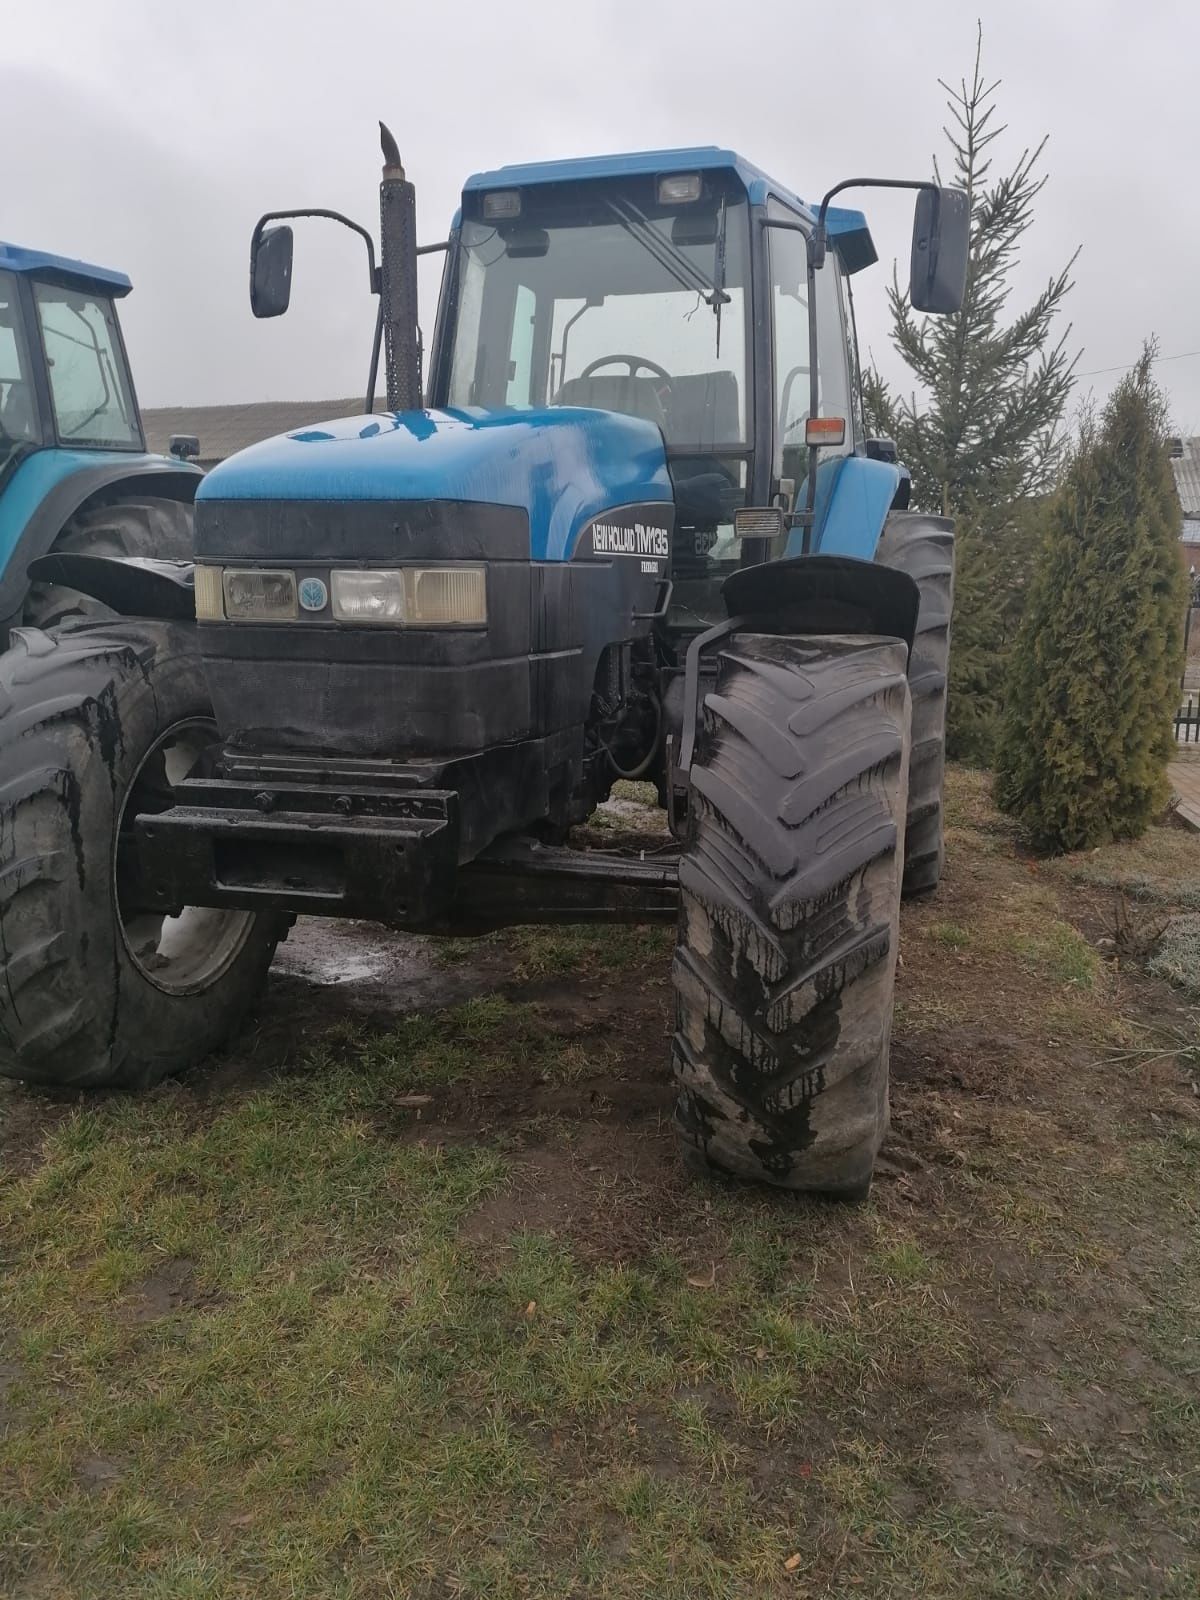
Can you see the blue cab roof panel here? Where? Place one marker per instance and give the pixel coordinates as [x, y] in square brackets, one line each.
[63, 269]
[848, 228]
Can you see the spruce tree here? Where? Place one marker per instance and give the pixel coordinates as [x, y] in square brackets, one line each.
[1094, 677]
[981, 430]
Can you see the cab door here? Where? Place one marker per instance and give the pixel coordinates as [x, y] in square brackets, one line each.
[788, 290]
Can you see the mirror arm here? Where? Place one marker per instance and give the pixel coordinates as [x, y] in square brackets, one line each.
[820, 238]
[334, 216]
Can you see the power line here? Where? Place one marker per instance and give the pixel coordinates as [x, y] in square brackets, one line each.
[1184, 355]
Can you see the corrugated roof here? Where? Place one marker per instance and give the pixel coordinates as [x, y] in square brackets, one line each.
[224, 430]
[1187, 477]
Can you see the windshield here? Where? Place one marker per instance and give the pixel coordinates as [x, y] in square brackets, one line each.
[610, 300]
[93, 403]
[18, 411]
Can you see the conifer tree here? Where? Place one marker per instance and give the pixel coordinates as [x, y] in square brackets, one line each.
[1094, 677]
[981, 431]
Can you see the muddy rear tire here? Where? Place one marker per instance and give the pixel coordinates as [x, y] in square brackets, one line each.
[96, 723]
[149, 526]
[923, 547]
[784, 971]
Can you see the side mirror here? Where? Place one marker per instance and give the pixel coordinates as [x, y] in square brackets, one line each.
[271, 271]
[940, 245]
[184, 447]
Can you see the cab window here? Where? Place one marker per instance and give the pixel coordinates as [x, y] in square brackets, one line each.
[788, 255]
[89, 386]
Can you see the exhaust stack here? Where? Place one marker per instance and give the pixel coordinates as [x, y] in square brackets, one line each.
[398, 280]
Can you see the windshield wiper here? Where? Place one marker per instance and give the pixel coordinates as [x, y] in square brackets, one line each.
[667, 254]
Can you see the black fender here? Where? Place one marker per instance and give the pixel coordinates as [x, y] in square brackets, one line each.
[824, 594]
[140, 475]
[795, 596]
[133, 586]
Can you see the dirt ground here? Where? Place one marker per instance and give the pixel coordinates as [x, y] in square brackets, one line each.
[617, 1380]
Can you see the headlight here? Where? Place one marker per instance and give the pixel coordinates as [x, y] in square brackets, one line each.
[368, 596]
[256, 595]
[414, 597]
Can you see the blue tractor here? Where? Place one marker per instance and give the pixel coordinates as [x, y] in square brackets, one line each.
[75, 475]
[628, 525]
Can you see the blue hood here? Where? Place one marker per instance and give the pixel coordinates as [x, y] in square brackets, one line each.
[564, 465]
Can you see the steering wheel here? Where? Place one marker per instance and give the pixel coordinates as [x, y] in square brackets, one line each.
[634, 363]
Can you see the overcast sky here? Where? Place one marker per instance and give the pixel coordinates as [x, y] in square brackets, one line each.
[150, 137]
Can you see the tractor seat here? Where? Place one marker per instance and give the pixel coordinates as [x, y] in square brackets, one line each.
[615, 391]
[704, 409]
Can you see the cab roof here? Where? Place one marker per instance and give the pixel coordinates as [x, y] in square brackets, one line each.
[848, 228]
[63, 269]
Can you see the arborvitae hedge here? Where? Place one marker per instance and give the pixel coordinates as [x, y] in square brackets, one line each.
[1095, 674]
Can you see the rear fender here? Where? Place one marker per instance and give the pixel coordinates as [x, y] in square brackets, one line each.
[854, 496]
[51, 486]
[132, 586]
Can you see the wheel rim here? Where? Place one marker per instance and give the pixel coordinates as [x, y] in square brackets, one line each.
[187, 953]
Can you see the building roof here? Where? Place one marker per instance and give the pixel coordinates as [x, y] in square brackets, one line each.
[224, 430]
[62, 269]
[1186, 467]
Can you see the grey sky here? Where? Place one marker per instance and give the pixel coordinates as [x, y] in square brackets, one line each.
[150, 137]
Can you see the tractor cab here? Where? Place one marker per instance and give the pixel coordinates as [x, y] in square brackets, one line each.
[64, 375]
[671, 286]
[76, 479]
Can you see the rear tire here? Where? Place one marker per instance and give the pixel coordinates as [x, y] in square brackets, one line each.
[923, 547]
[143, 527]
[789, 911]
[96, 723]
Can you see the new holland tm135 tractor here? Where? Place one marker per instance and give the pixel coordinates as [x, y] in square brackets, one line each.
[629, 526]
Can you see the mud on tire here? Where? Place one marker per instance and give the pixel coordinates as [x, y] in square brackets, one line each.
[93, 992]
[790, 893]
[923, 547]
[148, 526]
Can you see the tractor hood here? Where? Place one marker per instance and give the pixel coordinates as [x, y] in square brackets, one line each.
[561, 465]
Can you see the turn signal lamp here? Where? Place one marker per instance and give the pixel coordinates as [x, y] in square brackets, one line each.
[445, 597]
[210, 604]
[825, 431]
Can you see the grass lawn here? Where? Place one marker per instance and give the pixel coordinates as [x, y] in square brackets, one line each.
[421, 1304]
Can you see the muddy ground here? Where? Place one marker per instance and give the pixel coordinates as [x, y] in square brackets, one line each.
[982, 1382]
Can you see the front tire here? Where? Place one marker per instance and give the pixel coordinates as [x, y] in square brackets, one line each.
[789, 911]
[96, 725]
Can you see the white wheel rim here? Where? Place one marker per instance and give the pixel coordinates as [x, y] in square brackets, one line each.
[188, 953]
